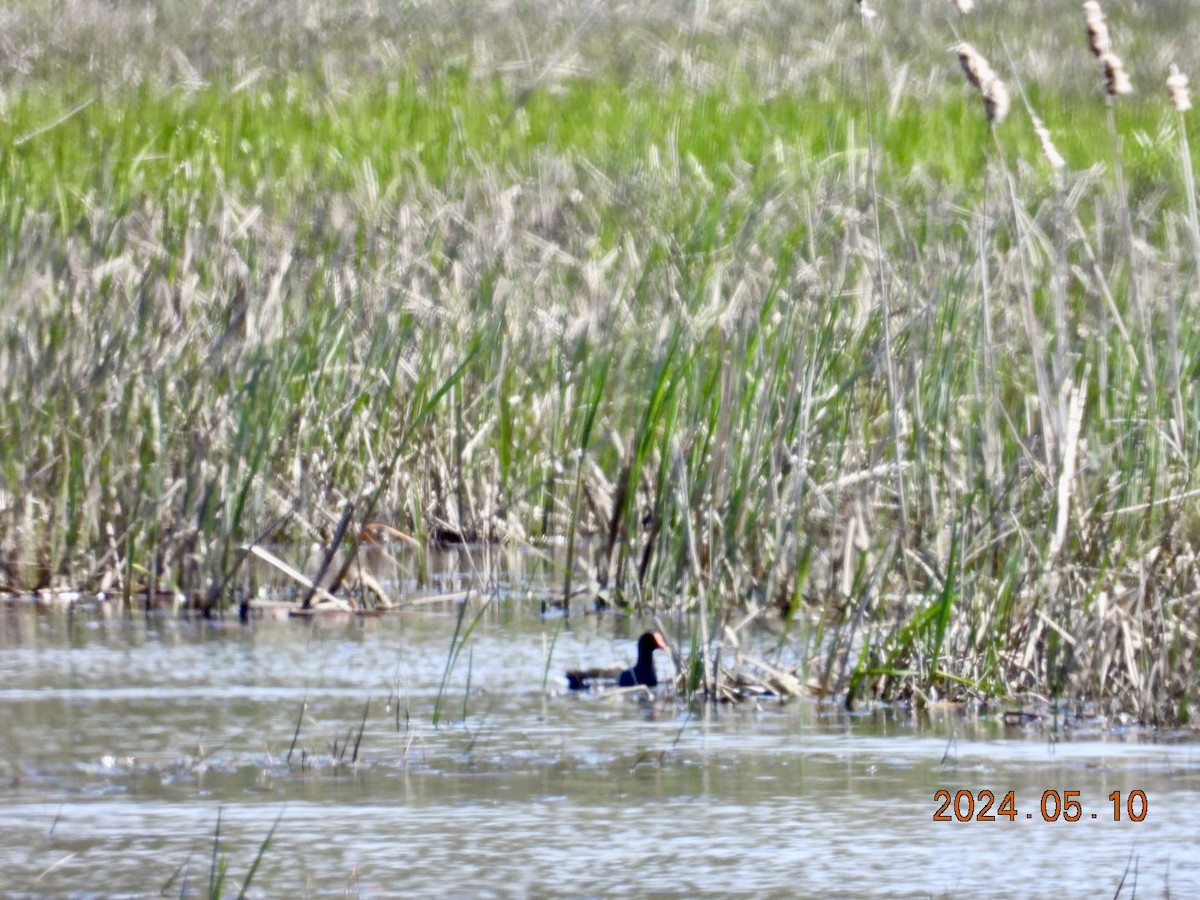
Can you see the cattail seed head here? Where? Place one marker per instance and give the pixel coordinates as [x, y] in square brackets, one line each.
[1116, 79]
[1177, 90]
[976, 68]
[983, 78]
[1097, 29]
[996, 101]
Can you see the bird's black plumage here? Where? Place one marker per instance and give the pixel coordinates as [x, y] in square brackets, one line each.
[642, 672]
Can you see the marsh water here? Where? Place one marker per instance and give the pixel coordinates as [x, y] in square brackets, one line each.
[126, 739]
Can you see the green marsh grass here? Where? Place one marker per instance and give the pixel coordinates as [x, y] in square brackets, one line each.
[277, 271]
[219, 868]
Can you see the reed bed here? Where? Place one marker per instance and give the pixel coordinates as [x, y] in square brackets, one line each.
[709, 286]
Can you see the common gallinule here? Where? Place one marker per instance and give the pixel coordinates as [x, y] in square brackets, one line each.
[641, 673]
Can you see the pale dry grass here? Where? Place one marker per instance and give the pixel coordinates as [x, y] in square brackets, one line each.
[672, 346]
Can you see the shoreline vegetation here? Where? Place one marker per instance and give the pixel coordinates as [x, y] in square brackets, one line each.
[766, 303]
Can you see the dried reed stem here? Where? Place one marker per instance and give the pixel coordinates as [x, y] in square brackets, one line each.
[1050, 413]
[885, 311]
[1116, 83]
[1180, 97]
[1177, 90]
[1053, 158]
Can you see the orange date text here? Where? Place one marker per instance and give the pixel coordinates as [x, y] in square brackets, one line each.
[1053, 806]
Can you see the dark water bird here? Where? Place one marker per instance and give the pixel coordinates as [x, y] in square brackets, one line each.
[642, 672]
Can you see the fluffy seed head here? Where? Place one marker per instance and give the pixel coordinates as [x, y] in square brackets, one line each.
[1053, 157]
[964, 6]
[865, 11]
[996, 101]
[983, 78]
[1097, 28]
[1116, 79]
[976, 68]
[1177, 90]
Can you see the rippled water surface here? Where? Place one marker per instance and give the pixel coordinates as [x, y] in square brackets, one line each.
[123, 740]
